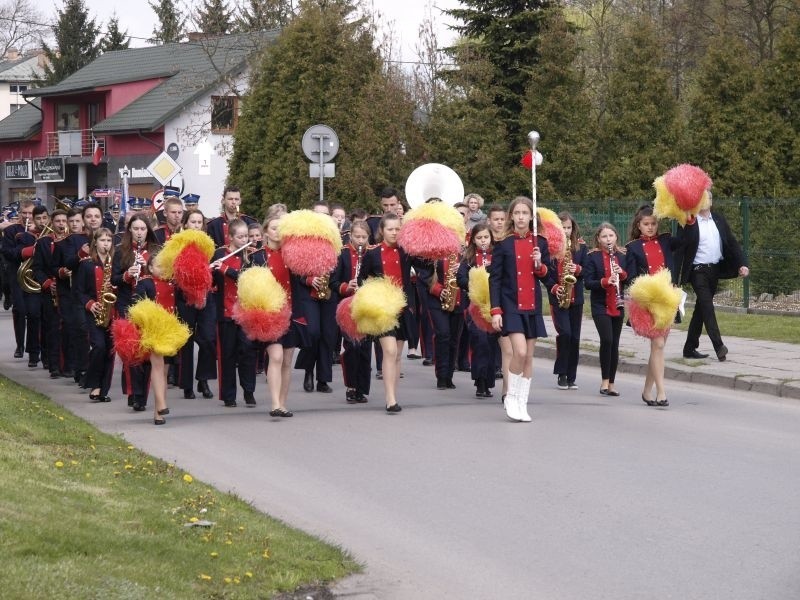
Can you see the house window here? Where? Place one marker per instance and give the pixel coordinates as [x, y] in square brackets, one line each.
[15, 88]
[93, 112]
[224, 113]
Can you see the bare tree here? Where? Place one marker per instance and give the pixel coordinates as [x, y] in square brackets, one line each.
[21, 25]
[425, 79]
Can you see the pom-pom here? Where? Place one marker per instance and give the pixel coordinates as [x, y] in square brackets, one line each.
[263, 325]
[527, 159]
[553, 231]
[377, 306]
[258, 288]
[655, 295]
[433, 230]
[175, 246]
[310, 243]
[161, 331]
[681, 193]
[480, 305]
[344, 318]
[127, 342]
[192, 274]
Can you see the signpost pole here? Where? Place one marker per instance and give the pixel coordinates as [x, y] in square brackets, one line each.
[321, 139]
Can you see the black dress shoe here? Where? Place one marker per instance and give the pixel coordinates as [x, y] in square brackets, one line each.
[394, 408]
[498, 374]
[413, 356]
[722, 353]
[68, 373]
[351, 396]
[308, 382]
[441, 383]
[202, 387]
[323, 387]
[131, 401]
[427, 362]
[480, 388]
[18, 353]
[694, 354]
[249, 399]
[450, 384]
[280, 412]
[33, 363]
[230, 403]
[54, 375]
[189, 394]
[138, 407]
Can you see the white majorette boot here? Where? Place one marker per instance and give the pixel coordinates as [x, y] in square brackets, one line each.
[522, 399]
[511, 402]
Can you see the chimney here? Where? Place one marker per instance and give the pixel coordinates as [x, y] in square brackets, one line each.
[12, 54]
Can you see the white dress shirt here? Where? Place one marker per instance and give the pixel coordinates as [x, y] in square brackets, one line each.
[709, 248]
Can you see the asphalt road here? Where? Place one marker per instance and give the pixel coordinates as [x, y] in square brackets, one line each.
[597, 498]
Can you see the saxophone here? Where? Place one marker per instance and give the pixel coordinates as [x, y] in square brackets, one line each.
[324, 290]
[450, 291]
[568, 280]
[107, 297]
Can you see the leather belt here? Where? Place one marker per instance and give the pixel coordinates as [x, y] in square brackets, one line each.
[704, 266]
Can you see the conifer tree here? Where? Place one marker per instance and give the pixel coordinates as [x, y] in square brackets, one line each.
[114, 39]
[76, 42]
[171, 22]
[213, 17]
[262, 15]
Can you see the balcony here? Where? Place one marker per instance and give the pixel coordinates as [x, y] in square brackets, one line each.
[73, 142]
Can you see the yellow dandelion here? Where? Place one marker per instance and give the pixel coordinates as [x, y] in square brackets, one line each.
[205, 577]
[228, 542]
[188, 478]
[214, 554]
[248, 574]
[60, 418]
[73, 462]
[130, 447]
[117, 473]
[59, 464]
[241, 528]
[193, 520]
[88, 475]
[149, 463]
[236, 580]
[128, 467]
[265, 554]
[228, 580]
[92, 447]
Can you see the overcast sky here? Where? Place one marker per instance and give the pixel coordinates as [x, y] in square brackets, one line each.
[138, 19]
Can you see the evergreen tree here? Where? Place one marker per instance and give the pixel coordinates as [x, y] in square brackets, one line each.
[213, 17]
[171, 22]
[114, 38]
[557, 105]
[507, 32]
[76, 43]
[337, 80]
[261, 15]
[639, 136]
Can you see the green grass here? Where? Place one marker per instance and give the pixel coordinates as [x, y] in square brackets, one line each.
[776, 328]
[85, 515]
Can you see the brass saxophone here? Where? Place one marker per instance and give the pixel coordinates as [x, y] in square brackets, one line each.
[568, 280]
[107, 297]
[25, 271]
[324, 290]
[450, 291]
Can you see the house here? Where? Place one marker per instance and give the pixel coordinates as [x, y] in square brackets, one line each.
[126, 109]
[17, 74]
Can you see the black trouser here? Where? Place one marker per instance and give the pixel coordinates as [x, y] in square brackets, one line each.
[51, 331]
[235, 353]
[321, 319]
[18, 311]
[609, 330]
[446, 331]
[567, 323]
[101, 357]
[425, 327]
[33, 323]
[202, 324]
[704, 279]
[483, 346]
[356, 365]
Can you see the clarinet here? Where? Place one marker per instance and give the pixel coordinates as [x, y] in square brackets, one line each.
[358, 262]
[611, 263]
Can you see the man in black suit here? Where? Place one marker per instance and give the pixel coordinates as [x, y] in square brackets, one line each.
[708, 252]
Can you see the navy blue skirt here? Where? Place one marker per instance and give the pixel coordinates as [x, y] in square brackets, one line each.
[532, 325]
[296, 337]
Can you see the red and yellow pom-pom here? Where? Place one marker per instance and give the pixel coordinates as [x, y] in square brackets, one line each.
[344, 318]
[553, 231]
[192, 275]
[377, 305]
[653, 304]
[127, 342]
[262, 309]
[310, 243]
[162, 332]
[175, 246]
[262, 325]
[681, 193]
[433, 231]
[477, 317]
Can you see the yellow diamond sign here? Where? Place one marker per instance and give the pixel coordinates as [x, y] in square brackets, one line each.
[163, 168]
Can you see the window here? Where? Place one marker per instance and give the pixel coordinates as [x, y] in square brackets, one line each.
[224, 113]
[16, 88]
[93, 111]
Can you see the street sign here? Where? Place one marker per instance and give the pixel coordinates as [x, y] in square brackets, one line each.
[163, 168]
[320, 135]
[18, 169]
[48, 169]
[328, 171]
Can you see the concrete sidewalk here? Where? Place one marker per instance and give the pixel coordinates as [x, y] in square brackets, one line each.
[752, 365]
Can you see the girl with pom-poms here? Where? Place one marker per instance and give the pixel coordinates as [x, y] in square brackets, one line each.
[202, 323]
[648, 254]
[482, 342]
[357, 355]
[604, 274]
[138, 244]
[568, 320]
[391, 262]
[92, 283]
[236, 353]
[519, 263]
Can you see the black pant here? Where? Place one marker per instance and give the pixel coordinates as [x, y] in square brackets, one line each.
[235, 354]
[704, 281]
[203, 325]
[101, 357]
[356, 365]
[567, 322]
[446, 332]
[609, 330]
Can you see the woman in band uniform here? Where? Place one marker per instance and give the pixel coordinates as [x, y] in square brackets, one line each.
[519, 263]
[604, 275]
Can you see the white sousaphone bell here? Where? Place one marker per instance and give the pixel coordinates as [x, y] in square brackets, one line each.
[433, 180]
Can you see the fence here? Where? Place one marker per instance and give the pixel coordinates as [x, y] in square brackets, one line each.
[766, 227]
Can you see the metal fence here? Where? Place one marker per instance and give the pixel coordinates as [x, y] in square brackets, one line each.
[766, 227]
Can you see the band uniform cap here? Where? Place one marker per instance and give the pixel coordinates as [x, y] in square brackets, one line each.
[114, 207]
[191, 199]
[36, 201]
[171, 191]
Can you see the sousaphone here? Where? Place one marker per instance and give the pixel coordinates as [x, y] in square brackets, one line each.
[433, 180]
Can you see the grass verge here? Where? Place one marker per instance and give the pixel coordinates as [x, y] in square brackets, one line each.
[776, 328]
[85, 515]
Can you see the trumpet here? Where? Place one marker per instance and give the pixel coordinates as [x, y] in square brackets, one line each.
[612, 262]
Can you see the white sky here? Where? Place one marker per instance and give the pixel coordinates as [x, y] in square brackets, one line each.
[138, 19]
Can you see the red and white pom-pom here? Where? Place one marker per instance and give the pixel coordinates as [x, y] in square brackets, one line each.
[556, 240]
[192, 275]
[428, 239]
[642, 321]
[127, 342]
[344, 319]
[477, 317]
[687, 183]
[308, 256]
[261, 325]
[527, 159]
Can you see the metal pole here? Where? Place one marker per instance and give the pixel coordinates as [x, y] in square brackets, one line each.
[321, 139]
